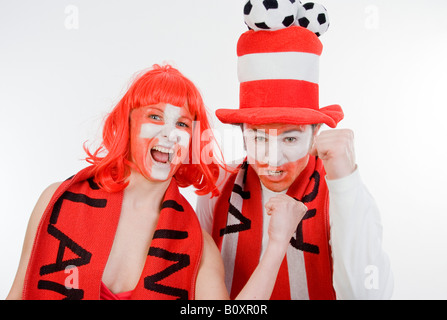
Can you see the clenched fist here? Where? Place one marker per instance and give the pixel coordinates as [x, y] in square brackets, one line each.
[286, 213]
[336, 149]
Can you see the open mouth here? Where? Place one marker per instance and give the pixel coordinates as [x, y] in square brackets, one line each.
[274, 173]
[162, 154]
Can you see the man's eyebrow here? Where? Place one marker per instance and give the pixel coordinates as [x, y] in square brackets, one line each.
[260, 130]
[292, 130]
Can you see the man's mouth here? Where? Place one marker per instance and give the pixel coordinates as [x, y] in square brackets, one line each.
[162, 154]
[274, 172]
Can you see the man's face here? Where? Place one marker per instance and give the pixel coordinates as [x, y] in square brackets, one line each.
[160, 136]
[278, 152]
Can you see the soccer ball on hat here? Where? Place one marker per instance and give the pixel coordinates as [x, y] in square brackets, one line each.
[313, 16]
[270, 14]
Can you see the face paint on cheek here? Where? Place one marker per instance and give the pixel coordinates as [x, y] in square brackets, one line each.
[298, 149]
[140, 152]
[149, 130]
[292, 153]
[150, 167]
[142, 140]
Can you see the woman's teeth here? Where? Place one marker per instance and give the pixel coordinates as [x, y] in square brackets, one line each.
[162, 154]
[274, 173]
[163, 149]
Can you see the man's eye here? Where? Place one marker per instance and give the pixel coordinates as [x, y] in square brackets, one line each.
[154, 117]
[182, 124]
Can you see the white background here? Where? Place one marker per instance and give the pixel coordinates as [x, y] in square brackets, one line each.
[383, 61]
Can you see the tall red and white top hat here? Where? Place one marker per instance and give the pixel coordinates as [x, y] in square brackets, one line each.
[278, 73]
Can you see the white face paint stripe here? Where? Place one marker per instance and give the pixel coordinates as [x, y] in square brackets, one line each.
[279, 65]
[179, 136]
[149, 130]
[274, 151]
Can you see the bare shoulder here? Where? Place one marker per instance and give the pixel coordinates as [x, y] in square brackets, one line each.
[44, 199]
[40, 206]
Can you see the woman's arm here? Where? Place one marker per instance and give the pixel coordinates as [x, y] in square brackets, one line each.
[17, 287]
[210, 283]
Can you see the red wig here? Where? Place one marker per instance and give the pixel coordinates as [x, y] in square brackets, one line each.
[166, 85]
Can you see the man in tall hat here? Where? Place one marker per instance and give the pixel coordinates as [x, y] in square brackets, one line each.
[336, 252]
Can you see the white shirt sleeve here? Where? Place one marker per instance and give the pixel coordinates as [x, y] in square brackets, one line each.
[205, 204]
[205, 211]
[361, 267]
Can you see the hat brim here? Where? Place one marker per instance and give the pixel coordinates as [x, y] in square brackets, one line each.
[330, 115]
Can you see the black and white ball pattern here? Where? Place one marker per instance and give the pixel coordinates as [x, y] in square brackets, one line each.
[270, 14]
[314, 17]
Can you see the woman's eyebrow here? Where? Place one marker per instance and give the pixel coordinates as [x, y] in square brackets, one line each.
[155, 108]
[185, 118]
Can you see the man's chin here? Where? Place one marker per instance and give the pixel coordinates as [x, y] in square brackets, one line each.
[276, 183]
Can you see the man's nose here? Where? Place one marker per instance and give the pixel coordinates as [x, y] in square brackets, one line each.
[274, 156]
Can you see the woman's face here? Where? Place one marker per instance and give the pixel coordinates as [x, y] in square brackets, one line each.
[160, 136]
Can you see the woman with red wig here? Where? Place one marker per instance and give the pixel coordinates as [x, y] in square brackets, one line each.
[120, 229]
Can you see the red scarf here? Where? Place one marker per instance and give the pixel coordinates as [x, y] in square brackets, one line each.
[78, 228]
[237, 230]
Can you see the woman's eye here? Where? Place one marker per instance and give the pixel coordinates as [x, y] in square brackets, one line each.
[290, 139]
[260, 139]
[154, 117]
[182, 124]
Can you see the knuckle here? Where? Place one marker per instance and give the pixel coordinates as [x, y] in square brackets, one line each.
[348, 134]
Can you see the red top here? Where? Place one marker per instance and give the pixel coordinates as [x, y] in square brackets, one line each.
[106, 294]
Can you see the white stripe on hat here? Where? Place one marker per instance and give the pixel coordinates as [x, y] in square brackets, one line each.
[278, 65]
